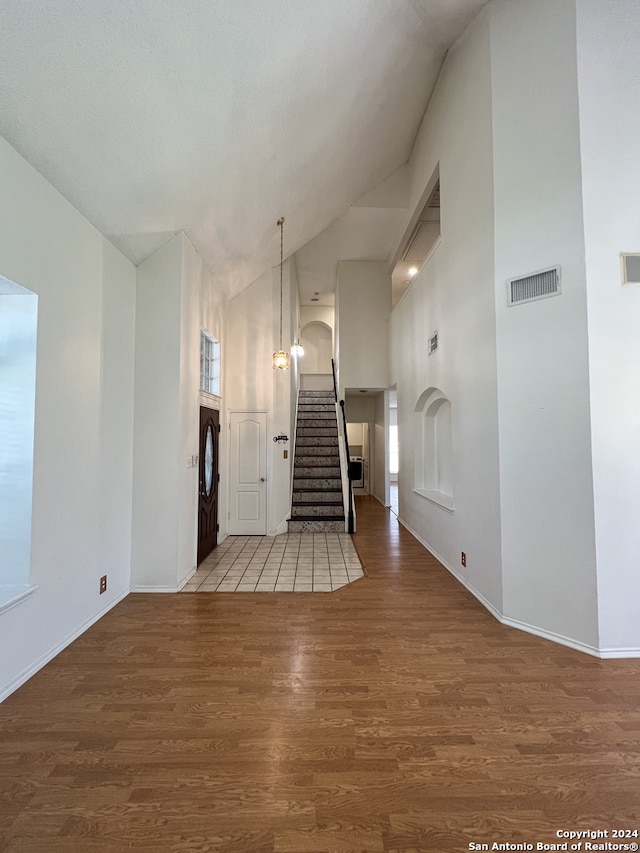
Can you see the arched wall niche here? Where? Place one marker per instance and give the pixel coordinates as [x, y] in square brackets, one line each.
[433, 475]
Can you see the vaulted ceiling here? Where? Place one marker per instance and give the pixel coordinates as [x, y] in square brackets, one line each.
[218, 116]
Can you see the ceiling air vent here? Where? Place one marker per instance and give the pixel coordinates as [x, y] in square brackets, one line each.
[433, 343]
[538, 285]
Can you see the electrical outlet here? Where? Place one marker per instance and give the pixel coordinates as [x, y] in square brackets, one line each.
[103, 584]
[463, 558]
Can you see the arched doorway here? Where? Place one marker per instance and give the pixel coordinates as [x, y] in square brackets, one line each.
[317, 339]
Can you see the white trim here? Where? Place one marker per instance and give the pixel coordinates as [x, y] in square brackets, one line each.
[283, 527]
[559, 639]
[209, 398]
[12, 595]
[484, 601]
[623, 262]
[156, 588]
[438, 498]
[608, 654]
[188, 578]
[48, 656]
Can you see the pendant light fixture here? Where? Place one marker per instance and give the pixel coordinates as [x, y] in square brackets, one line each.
[281, 358]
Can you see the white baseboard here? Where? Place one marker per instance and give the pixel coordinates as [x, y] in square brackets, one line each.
[49, 655]
[188, 578]
[476, 593]
[155, 588]
[610, 654]
[560, 639]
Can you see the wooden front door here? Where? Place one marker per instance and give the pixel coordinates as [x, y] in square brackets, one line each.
[208, 480]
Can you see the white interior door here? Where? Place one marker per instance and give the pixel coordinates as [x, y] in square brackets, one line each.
[248, 474]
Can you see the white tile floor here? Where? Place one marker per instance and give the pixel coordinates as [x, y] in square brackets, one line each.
[294, 562]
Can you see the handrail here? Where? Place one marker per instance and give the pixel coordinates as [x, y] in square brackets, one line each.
[335, 383]
[351, 528]
[293, 445]
[350, 516]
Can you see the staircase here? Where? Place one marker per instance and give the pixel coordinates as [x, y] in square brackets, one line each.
[317, 486]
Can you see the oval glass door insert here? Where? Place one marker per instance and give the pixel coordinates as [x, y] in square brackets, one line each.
[208, 461]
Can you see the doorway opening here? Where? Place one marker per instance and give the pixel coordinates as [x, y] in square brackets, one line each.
[393, 444]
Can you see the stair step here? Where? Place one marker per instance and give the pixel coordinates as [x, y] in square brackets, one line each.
[318, 450]
[305, 432]
[316, 471]
[316, 525]
[316, 425]
[317, 406]
[317, 511]
[320, 441]
[318, 484]
[305, 496]
[317, 461]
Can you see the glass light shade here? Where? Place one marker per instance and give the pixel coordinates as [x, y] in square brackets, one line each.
[281, 360]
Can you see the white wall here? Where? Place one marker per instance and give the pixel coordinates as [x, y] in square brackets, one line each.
[296, 369]
[253, 327]
[317, 314]
[157, 438]
[176, 299]
[454, 294]
[359, 408]
[194, 279]
[543, 380]
[609, 93]
[212, 318]
[85, 295]
[363, 300]
[116, 416]
[282, 406]
[377, 459]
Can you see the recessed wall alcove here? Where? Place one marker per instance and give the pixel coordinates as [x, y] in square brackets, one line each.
[433, 475]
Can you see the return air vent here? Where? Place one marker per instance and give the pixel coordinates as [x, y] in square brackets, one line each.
[433, 343]
[538, 285]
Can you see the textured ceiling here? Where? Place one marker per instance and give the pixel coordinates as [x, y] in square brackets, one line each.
[217, 116]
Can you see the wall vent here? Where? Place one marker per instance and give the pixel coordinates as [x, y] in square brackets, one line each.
[630, 267]
[538, 285]
[433, 343]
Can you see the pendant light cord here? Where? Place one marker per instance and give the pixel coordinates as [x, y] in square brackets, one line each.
[281, 224]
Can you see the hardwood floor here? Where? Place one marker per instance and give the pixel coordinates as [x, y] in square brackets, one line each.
[392, 716]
